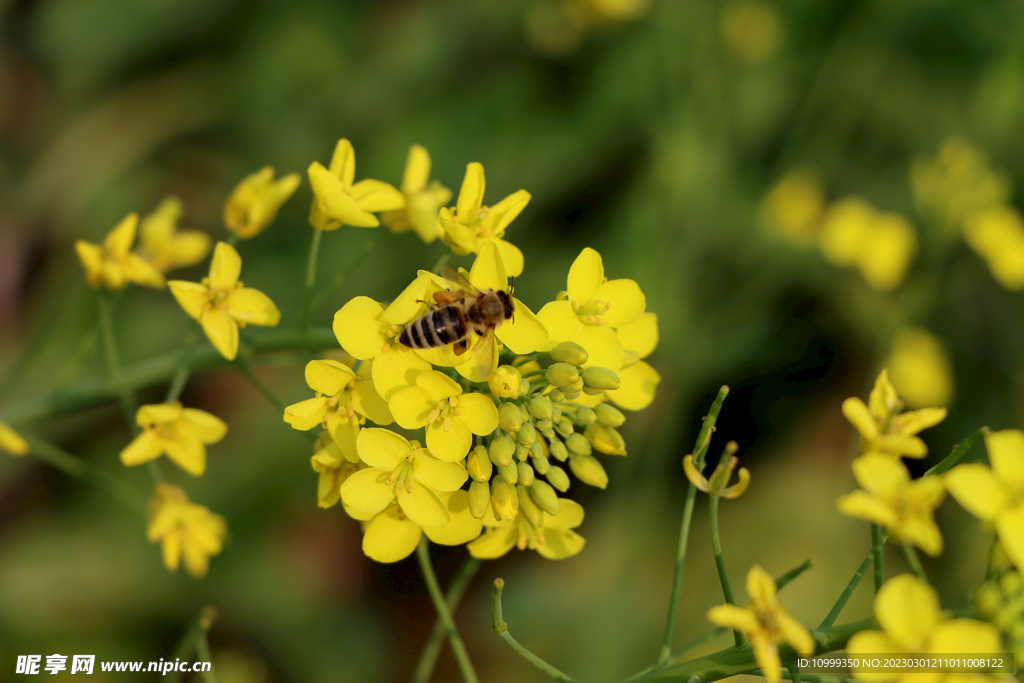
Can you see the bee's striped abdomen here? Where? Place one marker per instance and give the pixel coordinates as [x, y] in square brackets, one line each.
[436, 328]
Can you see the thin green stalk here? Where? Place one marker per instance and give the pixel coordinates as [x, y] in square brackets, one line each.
[232, 239]
[194, 639]
[795, 572]
[844, 597]
[914, 561]
[307, 299]
[959, 451]
[442, 259]
[258, 384]
[83, 469]
[182, 374]
[341, 276]
[456, 589]
[501, 628]
[203, 655]
[443, 613]
[794, 671]
[704, 437]
[128, 404]
[723, 574]
[879, 561]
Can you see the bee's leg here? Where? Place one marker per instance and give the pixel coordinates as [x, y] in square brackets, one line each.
[430, 304]
[460, 346]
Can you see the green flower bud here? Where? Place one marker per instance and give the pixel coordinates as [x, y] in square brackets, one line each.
[522, 452]
[569, 352]
[609, 416]
[540, 407]
[573, 388]
[509, 417]
[588, 470]
[602, 379]
[585, 415]
[504, 500]
[505, 382]
[556, 395]
[557, 477]
[565, 428]
[524, 388]
[536, 450]
[501, 450]
[479, 498]
[545, 497]
[560, 374]
[543, 425]
[526, 475]
[577, 443]
[533, 514]
[527, 434]
[556, 413]
[509, 472]
[573, 396]
[548, 433]
[540, 464]
[558, 450]
[478, 462]
[606, 439]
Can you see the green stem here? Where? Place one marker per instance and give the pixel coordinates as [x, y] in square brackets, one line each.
[195, 639]
[794, 671]
[795, 572]
[441, 260]
[914, 561]
[341, 276]
[851, 586]
[456, 589]
[258, 384]
[501, 628]
[958, 452]
[876, 549]
[307, 300]
[443, 613]
[677, 578]
[182, 373]
[128, 404]
[232, 239]
[700, 450]
[723, 574]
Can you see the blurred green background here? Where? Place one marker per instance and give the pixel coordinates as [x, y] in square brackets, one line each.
[649, 131]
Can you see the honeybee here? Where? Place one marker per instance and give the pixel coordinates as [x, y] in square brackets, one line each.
[460, 311]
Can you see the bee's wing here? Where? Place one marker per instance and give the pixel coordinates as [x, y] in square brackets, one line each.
[458, 279]
[483, 353]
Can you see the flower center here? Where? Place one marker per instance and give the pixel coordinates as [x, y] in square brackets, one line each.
[591, 312]
[444, 411]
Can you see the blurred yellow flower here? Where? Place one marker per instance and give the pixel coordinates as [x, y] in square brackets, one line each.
[883, 428]
[391, 536]
[909, 612]
[114, 265]
[765, 623]
[920, 367]
[472, 224]
[343, 402]
[166, 247]
[957, 183]
[450, 416]
[996, 495]
[793, 208]
[11, 441]
[333, 468]
[594, 307]
[254, 203]
[221, 304]
[184, 529]
[889, 497]
[553, 538]
[423, 199]
[338, 201]
[181, 433]
[751, 30]
[880, 245]
[997, 235]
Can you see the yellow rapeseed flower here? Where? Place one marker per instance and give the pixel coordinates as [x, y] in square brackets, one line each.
[11, 441]
[333, 468]
[997, 235]
[883, 428]
[553, 538]
[957, 183]
[423, 199]
[920, 367]
[181, 433]
[793, 208]
[451, 417]
[392, 536]
[996, 495]
[338, 201]
[221, 304]
[594, 306]
[184, 529]
[881, 245]
[166, 247]
[399, 469]
[909, 612]
[343, 402]
[751, 30]
[765, 623]
[254, 203]
[888, 497]
[114, 265]
[716, 486]
[472, 224]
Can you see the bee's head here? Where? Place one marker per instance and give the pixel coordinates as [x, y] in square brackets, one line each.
[507, 304]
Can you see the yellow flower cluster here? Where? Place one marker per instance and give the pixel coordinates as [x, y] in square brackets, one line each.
[1001, 601]
[184, 529]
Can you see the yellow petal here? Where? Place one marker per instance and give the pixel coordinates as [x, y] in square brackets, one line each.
[417, 170]
[462, 528]
[585, 277]
[625, 301]
[158, 413]
[396, 369]
[192, 296]
[637, 386]
[171, 551]
[524, 333]
[860, 417]
[559, 544]
[766, 654]
[307, 414]
[335, 201]
[760, 586]
[422, 506]
[382, 448]
[409, 304]
[479, 413]
[345, 433]
[143, 448]
[451, 444]
[11, 441]
[91, 256]
[880, 474]
[343, 162]
[494, 543]
[882, 400]
[222, 330]
[187, 452]
[863, 505]
[119, 240]
[390, 539]
[873, 643]
[488, 271]
[366, 490]
[462, 239]
[375, 195]
[736, 618]
[603, 347]
[253, 307]
[1010, 527]
[976, 489]
[964, 635]
[570, 516]
[471, 195]
[437, 474]
[907, 608]
[909, 446]
[204, 426]
[511, 256]
[329, 377]
[641, 335]
[914, 421]
[142, 272]
[225, 266]
[412, 407]
[359, 330]
[189, 248]
[794, 633]
[505, 211]
[1006, 453]
[366, 401]
[438, 386]
[561, 322]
